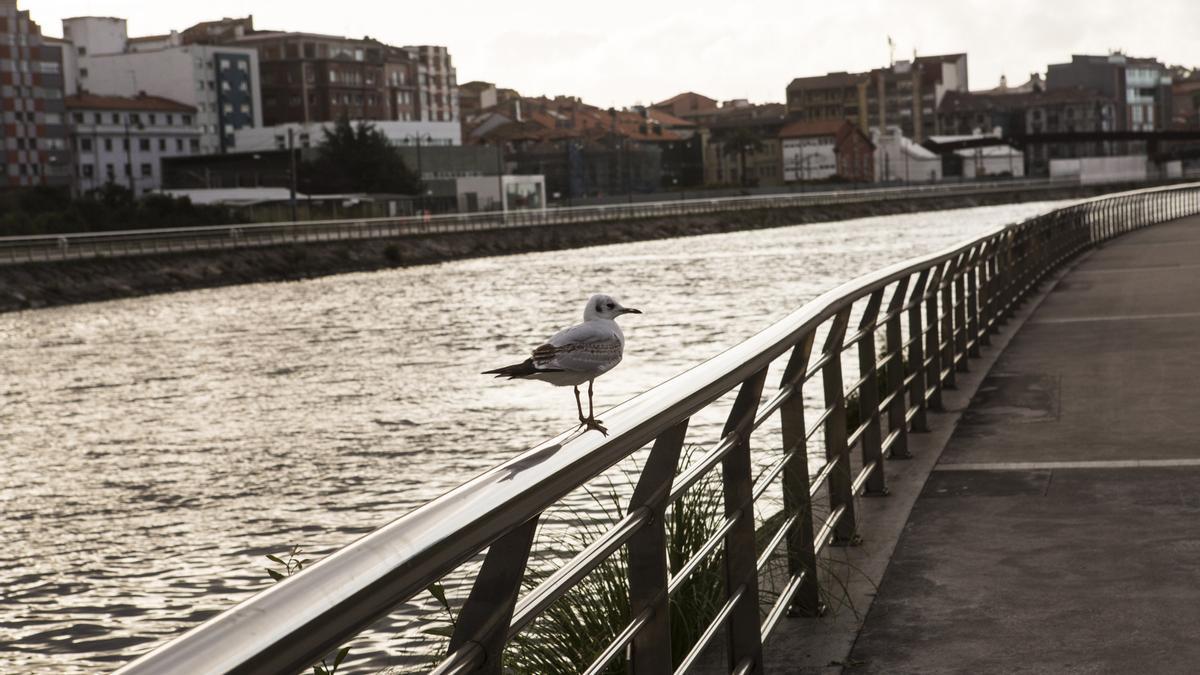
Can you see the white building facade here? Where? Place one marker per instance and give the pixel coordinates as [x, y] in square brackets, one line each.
[122, 140]
[220, 82]
[309, 135]
[811, 158]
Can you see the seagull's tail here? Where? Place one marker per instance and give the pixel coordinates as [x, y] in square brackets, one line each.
[514, 371]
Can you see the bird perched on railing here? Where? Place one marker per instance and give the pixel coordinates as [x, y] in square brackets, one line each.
[578, 354]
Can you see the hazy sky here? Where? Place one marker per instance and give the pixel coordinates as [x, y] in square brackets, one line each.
[620, 52]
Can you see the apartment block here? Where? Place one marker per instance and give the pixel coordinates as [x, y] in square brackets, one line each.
[123, 140]
[1140, 86]
[33, 133]
[221, 82]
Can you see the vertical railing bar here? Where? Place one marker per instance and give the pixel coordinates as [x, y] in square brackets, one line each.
[801, 554]
[741, 563]
[650, 650]
[868, 395]
[840, 480]
[895, 374]
[916, 353]
[485, 617]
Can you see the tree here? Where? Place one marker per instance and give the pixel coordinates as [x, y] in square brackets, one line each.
[357, 158]
[740, 143]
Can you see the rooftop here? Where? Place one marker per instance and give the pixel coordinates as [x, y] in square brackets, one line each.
[86, 101]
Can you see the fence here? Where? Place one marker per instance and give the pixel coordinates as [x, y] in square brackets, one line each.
[43, 248]
[930, 315]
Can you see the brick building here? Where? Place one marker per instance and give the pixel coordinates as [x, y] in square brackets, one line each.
[906, 94]
[34, 134]
[825, 149]
[1141, 87]
[311, 77]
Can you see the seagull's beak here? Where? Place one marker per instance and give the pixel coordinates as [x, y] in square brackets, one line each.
[630, 310]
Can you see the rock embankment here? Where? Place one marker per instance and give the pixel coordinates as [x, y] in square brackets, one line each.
[38, 285]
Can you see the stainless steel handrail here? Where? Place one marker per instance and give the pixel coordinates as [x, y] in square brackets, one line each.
[124, 243]
[937, 300]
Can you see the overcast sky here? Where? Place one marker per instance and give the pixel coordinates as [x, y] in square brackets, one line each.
[622, 52]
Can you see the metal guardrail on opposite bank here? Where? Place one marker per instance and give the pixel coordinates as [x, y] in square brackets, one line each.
[125, 243]
[930, 315]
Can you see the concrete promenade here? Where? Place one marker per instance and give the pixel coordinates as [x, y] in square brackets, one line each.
[1060, 530]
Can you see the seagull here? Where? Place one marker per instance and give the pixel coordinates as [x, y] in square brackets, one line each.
[578, 354]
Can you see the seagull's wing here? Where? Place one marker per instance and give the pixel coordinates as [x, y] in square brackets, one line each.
[588, 347]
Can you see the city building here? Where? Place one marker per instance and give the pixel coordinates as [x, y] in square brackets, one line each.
[825, 149]
[34, 133]
[311, 77]
[686, 104]
[899, 159]
[122, 140]
[835, 96]
[476, 97]
[1141, 87]
[905, 94]
[220, 82]
[1068, 109]
[743, 145]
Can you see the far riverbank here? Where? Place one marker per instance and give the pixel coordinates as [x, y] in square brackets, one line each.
[36, 285]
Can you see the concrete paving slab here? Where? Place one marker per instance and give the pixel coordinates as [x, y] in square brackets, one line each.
[1027, 551]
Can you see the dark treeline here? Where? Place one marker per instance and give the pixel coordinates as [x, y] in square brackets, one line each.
[43, 210]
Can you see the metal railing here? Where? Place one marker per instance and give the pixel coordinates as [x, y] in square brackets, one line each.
[125, 243]
[930, 315]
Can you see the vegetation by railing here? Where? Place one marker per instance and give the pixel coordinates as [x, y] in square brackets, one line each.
[123, 243]
[891, 341]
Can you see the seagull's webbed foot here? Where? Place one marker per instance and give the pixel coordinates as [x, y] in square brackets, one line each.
[592, 423]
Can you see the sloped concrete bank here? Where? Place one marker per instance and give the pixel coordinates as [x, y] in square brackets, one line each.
[48, 284]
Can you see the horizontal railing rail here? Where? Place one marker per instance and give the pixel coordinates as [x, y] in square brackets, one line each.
[125, 243]
[916, 324]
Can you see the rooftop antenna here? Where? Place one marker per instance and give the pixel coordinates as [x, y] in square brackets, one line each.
[891, 52]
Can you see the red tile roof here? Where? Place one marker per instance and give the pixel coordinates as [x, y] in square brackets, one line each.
[808, 129]
[150, 103]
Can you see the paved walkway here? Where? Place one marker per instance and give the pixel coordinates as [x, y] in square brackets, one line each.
[1060, 531]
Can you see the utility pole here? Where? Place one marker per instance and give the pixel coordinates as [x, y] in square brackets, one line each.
[500, 172]
[292, 171]
[129, 157]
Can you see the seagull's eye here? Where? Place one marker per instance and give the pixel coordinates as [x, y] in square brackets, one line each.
[610, 305]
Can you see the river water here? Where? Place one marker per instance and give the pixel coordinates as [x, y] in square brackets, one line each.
[155, 448]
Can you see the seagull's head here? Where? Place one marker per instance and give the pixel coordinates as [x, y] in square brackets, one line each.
[605, 307]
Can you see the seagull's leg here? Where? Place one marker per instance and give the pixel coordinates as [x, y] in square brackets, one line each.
[579, 406]
[592, 422]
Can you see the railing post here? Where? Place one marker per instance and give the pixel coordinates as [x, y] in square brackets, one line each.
[841, 492]
[485, 617]
[868, 396]
[933, 343]
[801, 553]
[916, 353]
[985, 292]
[949, 335]
[971, 271]
[741, 563]
[895, 371]
[650, 651]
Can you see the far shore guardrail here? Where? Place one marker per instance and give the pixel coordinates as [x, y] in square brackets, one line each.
[931, 315]
[127, 243]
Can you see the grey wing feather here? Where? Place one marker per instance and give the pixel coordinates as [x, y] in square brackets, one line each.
[581, 348]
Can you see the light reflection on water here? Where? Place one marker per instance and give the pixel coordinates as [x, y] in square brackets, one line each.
[156, 448]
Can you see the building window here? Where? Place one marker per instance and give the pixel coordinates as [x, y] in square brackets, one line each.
[179, 144]
[195, 145]
[170, 119]
[108, 170]
[162, 145]
[78, 117]
[187, 120]
[153, 118]
[144, 144]
[241, 64]
[225, 64]
[87, 170]
[147, 171]
[85, 144]
[128, 170]
[116, 119]
[108, 145]
[83, 51]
